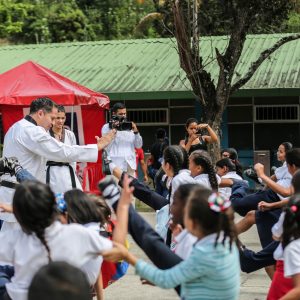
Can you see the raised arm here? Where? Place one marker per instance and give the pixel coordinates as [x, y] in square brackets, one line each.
[275, 187]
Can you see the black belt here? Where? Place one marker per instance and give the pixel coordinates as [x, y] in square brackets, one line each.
[8, 184]
[60, 164]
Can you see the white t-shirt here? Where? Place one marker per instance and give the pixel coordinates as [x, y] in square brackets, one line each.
[291, 256]
[226, 191]
[284, 177]
[182, 244]
[71, 243]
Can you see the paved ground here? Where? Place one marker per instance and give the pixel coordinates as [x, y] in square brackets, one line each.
[254, 286]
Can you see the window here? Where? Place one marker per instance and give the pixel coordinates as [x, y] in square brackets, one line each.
[287, 113]
[148, 116]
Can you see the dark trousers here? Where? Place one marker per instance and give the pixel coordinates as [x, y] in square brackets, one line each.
[146, 195]
[252, 261]
[6, 273]
[242, 202]
[264, 223]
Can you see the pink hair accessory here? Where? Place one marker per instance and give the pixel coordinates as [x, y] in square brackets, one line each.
[294, 208]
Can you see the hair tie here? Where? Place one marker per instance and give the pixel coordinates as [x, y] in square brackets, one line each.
[218, 203]
[294, 208]
[61, 204]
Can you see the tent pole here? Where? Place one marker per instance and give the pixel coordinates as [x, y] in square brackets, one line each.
[72, 118]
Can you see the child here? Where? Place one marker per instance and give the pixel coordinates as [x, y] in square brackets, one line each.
[203, 171]
[205, 273]
[42, 238]
[279, 185]
[226, 170]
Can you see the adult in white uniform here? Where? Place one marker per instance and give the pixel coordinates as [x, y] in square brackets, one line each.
[29, 141]
[61, 176]
[122, 150]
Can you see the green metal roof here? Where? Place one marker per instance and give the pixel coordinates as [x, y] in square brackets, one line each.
[128, 69]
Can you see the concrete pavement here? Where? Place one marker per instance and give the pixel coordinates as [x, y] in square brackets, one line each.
[254, 286]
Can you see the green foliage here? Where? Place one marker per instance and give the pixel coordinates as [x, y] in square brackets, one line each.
[12, 17]
[45, 21]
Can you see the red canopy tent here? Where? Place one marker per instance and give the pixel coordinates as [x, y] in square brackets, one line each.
[28, 81]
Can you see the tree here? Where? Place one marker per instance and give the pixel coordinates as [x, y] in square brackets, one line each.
[244, 16]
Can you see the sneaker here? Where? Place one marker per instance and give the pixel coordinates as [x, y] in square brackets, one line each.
[105, 163]
[109, 189]
[250, 173]
[9, 165]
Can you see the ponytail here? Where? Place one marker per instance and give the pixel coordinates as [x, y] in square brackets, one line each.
[177, 158]
[34, 207]
[201, 157]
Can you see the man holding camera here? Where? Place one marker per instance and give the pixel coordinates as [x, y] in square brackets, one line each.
[121, 150]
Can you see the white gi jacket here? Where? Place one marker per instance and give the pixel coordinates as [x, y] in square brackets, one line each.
[121, 149]
[60, 178]
[33, 146]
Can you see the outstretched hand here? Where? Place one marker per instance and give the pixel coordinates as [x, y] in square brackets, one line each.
[126, 194]
[106, 139]
[117, 253]
[264, 206]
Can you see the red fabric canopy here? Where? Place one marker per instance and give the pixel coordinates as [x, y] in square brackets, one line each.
[28, 81]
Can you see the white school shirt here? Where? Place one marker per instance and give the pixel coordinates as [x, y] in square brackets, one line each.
[60, 178]
[284, 178]
[33, 146]
[183, 243]
[183, 177]
[93, 267]
[71, 243]
[121, 149]
[291, 259]
[277, 231]
[226, 191]
[203, 180]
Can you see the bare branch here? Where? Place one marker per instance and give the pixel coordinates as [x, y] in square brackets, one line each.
[263, 56]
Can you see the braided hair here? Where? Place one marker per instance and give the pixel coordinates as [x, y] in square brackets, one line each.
[34, 207]
[209, 220]
[202, 158]
[177, 158]
[291, 224]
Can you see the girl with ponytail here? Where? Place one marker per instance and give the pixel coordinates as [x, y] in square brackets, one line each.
[202, 170]
[41, 238]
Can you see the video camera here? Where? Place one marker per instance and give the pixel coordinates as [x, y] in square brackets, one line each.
[120, 123]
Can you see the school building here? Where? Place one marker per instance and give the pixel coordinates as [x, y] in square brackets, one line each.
[145, 74]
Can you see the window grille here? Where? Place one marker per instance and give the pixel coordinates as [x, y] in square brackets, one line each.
[148, 116]
[273, 113]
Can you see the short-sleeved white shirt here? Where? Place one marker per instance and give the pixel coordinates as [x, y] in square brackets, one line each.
[71, 243]
[226, 191]
[291, 256]
[203, 180]
[183, 244]
[284, 177]
[277, 231]
[92, 267]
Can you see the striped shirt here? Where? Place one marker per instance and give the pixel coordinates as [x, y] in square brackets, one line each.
[209, 273]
